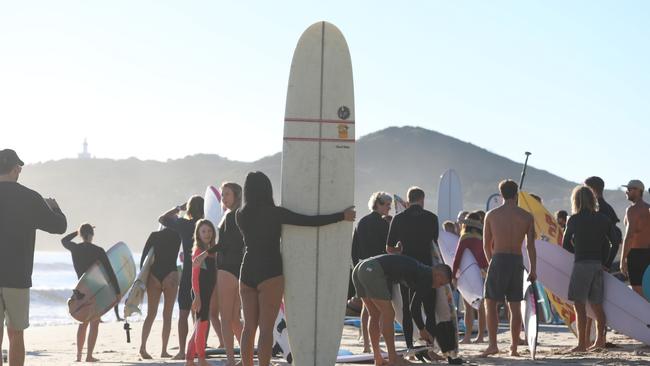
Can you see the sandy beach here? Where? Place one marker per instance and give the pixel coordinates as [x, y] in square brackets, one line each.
[55, 345]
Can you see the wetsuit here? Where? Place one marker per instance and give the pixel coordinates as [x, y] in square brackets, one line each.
[185, 229]
[589, 235]
[261, 229]
[203, 280]
[617, 236]
[85, 255]
[230, 246]
[165, 244]
[416, 228]
[369, 238]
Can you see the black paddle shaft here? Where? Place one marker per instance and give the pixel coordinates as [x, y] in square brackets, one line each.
[523, 172]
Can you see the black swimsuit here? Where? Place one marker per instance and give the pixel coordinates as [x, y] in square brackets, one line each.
[185, 229]
[84, 255]
[230, 246]
[261, 229]
[165, 244]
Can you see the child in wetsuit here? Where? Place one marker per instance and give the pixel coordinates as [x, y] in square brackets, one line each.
[84, 255]
[203, 279]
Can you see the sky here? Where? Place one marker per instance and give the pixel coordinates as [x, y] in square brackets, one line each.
[568, 81]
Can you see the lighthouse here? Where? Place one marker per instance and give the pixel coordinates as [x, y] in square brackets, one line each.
[85, 154]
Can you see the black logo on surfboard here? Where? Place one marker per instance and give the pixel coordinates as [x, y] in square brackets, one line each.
[343, 112]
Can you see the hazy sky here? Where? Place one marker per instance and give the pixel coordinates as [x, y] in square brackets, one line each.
[568, 81]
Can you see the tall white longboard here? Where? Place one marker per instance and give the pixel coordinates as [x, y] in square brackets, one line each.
[318, 178]
[450, 197]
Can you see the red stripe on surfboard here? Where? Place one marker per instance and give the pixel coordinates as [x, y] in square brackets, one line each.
[216, 192]
[316, 120]
[309, 139]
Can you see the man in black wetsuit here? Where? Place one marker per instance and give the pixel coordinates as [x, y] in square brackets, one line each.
[369, 240]
[22, 212]
[411, 233]
[374, 278]
[85, 255]
[598, 186]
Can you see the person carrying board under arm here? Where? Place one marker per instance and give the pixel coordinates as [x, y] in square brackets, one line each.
[22, 211]
[505, 229]
[84, 255]
[588, 234]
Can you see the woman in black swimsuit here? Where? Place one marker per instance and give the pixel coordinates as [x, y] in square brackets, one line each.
[163, 279]
[261, 280]
[230, 252]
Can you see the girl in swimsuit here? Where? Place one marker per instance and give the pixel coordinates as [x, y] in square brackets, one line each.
[230, 252]
[203, 280]
[163, 279]
[261, 279]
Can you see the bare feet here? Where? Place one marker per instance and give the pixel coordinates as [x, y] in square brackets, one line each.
[179, 356]
[366, 350]
[598, 345]
[203, 362]
[491, 350]
[466, 340]
[478, 340]
[79, 357]
[91, 359]
[578, 348]
[514, 353]
[144, 354]
[164, 354]
[189, 363]
[434, 356]
[401, 361]
[522, 342]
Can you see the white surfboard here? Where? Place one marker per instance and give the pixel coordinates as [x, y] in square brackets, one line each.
[318, 178]
[470, 281]
[625, 310]
[495, 200]
[450, 197]
[139, 288]
[529, 309]
[281, 335]
[212, 209]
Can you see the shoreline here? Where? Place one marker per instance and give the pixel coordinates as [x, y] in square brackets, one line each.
[56, 345]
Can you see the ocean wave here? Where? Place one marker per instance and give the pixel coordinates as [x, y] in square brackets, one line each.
[50, 296]
[57, 266]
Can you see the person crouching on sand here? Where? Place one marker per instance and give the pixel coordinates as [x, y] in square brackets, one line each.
[203, 279]
[84, 255]
[373, 279]
[588, 234]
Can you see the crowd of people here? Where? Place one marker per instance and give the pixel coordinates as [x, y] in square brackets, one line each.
[235, 266]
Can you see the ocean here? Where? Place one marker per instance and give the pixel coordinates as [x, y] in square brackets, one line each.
[52, 282]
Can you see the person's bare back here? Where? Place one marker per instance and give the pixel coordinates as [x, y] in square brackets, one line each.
[506, 228]
[638, 221]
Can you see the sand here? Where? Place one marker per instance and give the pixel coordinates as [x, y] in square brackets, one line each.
[55, 345]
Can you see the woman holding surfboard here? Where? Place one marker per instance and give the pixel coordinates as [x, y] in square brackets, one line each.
[471, 238]
[588, 234]
[262, 280]
[85, 255]
[230, 252]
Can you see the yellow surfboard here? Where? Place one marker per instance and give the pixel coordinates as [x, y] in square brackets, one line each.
[547, 229]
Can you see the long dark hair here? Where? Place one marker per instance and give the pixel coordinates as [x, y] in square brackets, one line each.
[258, 191]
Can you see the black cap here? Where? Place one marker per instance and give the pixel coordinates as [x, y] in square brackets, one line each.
[9, 158]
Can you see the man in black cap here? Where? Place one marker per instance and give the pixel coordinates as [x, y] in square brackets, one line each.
[22, 211]
[636, 243]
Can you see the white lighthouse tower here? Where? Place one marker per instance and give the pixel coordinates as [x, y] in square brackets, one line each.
[85, 154]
